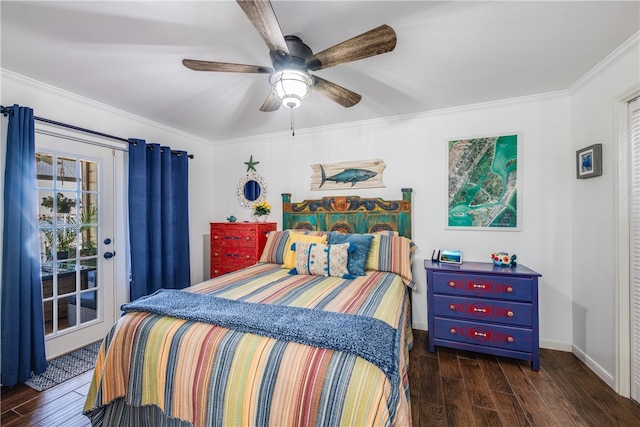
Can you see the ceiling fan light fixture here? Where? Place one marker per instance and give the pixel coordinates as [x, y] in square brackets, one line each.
[291, 86]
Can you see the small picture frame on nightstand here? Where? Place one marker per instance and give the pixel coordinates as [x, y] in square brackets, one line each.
[451, 256]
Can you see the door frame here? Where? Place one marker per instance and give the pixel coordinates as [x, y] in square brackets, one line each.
[622, 287]
[118, 212]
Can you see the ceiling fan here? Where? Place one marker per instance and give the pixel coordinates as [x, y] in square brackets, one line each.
[292, 59]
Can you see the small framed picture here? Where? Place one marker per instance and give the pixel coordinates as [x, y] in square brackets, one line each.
[452, 256]
[589, 162]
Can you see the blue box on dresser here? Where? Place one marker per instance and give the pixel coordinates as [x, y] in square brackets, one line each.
[481, 307]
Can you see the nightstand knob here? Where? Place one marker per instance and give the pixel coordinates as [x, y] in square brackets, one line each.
[452, 307]
[215, 237]
[248, 256]
[215, 254]
[510, 339]
[452, 330]
[215, 271]
[452, 284]
[248, 238]
[510, 313]
[509, 289]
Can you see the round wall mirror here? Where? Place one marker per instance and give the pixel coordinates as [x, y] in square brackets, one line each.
[252, 188]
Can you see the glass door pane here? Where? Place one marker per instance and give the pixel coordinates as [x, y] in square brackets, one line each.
[68, 223]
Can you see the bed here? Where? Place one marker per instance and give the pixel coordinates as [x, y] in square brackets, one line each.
[313, 334]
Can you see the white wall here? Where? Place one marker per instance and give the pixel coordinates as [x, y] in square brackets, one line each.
[55, 104]
[594, 117]
[414, 149]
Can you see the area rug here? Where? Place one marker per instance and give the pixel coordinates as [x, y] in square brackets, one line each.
[66, 367]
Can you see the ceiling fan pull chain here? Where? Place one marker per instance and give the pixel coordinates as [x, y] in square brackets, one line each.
[293, 131]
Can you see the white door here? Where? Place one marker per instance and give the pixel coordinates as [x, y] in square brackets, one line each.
[77, 206]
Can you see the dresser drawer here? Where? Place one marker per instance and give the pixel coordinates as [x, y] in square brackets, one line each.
[486, 286]
[240, 256]
[507, 312]
[488, 335]
[222, 237]
[218, 270]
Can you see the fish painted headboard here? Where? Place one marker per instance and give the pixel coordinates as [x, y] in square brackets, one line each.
[349, 214]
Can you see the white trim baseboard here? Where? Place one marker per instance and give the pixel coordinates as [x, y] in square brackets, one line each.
[556, 345]
[591, 364]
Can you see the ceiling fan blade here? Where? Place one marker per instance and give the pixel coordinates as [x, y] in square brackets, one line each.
[46, 158]
[224, 67]
[263, 18]
[374, 42]
[271, 103]
[336, 93]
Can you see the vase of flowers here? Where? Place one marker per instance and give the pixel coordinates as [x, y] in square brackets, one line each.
[261, 211]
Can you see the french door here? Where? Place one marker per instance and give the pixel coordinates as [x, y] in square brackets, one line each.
[77, 209]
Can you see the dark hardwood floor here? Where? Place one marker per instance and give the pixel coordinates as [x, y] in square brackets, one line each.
[459, 388]
[448, 388]
[59, 406]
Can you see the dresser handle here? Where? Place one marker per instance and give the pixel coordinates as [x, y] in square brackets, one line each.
[215, 237]
[452, 330]
[215, 254]
[248, 256]
[510, 313]
[452, 284]
[215, 271]
[452, 307]
[248, 238]
[510, 339]
[509, 289]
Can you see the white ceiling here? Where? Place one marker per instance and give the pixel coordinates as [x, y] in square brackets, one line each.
[449, 53]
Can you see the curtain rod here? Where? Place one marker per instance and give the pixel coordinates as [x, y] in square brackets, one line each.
[5, 111]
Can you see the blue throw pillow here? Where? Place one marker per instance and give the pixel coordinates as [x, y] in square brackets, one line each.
[357, 258]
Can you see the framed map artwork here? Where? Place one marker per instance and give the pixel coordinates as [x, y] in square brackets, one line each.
[484, 183]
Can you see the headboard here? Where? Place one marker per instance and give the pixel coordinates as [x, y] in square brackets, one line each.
[349, 214]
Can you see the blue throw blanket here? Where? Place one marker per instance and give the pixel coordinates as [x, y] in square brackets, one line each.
[369, 338]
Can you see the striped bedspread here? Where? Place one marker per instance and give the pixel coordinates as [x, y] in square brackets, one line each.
[158, 370]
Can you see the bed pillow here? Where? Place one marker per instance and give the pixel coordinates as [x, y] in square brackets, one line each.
[393, 254]
[317, 259]
[358, 257]
[290, 252]
[274, 249]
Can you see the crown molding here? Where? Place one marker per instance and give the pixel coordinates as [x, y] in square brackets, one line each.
[623, 50]
[4, 73]
[385, 120]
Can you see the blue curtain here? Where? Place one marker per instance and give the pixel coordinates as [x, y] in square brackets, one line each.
[23, 350]
[158, 218]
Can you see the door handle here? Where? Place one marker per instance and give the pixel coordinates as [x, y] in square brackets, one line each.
[108, 255]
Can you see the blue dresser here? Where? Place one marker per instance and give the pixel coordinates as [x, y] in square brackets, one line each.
[480, 307]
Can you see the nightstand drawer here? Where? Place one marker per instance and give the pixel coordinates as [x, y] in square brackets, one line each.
[511, 313]
[489, 335]
[485, 286]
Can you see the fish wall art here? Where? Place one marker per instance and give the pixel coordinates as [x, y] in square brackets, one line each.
[347, 175]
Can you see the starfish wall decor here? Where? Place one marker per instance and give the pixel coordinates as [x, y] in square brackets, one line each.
[251, 165]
